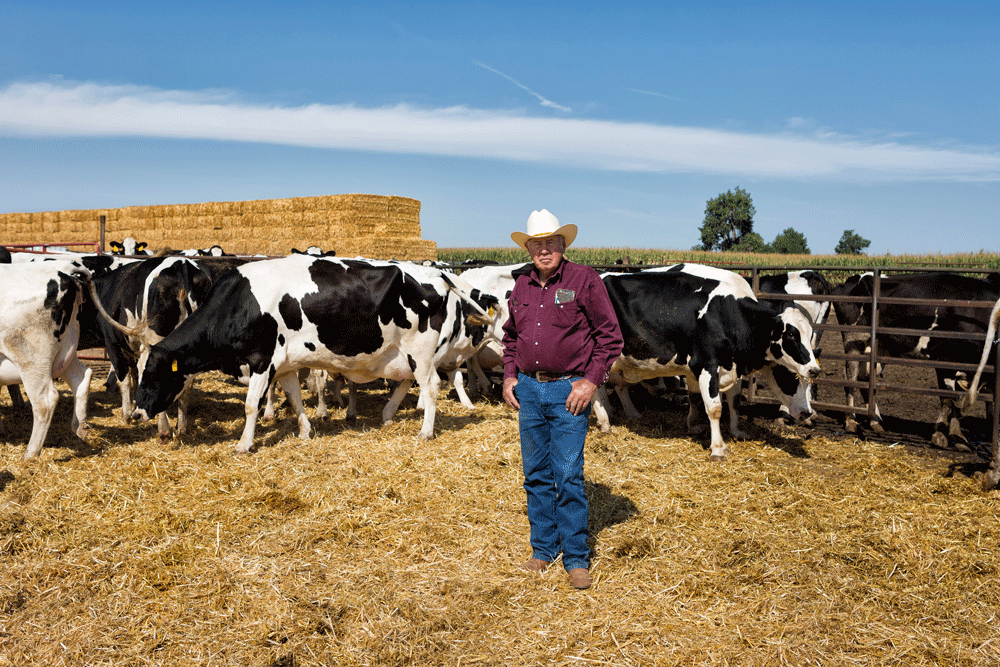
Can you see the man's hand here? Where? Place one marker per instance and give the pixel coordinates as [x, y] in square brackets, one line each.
[508, 393]
[579, 398]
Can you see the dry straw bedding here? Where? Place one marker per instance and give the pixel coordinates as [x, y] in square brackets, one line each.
[366, 547]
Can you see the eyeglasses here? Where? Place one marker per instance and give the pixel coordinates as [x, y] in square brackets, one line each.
[554, 243]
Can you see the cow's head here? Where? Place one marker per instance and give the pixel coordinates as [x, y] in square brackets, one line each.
[161, 380]
[790, 346]
[791, 389]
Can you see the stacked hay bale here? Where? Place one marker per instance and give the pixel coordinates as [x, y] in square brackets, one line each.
[374, 226]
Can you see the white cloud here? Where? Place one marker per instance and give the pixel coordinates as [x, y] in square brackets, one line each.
[90, 109]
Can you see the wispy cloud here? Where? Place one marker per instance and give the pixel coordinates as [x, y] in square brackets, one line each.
[53, 109]
[649, 92]
[545, 102]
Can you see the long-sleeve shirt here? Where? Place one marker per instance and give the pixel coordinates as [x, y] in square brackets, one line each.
[567, 326]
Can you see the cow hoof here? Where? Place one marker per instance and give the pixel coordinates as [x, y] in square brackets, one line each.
[877, 427]
[165, 439]
[939, 440]
[716, 458]
[351, 419]
[83, 431]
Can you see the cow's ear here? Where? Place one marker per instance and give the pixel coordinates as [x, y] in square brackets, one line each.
[139, 247]
[115, 246]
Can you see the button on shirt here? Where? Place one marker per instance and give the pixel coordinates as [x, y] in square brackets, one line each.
[566, 326]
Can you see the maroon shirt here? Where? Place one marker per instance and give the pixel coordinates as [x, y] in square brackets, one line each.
[567, 326]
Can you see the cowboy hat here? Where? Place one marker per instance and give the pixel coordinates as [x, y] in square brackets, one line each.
[542, 224]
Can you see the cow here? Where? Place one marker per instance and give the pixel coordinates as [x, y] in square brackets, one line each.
[130, 247]
[39, 334]
[363, 319]
[805, 283]
[497, 281]
[705, 325]
[146, 300]
[315, 251]
[4, 255]
[992, 478]
[951, 318]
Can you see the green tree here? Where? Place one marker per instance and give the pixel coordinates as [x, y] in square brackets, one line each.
[790, 242]
[751, 242]
[851, 244]
[728, 218]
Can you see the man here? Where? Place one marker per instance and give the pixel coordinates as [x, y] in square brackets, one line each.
[559, 343]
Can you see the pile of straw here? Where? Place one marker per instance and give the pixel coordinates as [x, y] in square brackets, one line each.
[382, 227]
[366, 547]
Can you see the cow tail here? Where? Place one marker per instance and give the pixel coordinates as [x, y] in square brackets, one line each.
[973, 393]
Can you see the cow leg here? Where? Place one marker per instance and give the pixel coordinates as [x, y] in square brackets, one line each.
[992, 478]
[389, 411]
[947, 426]
[77, 376]
[125, 387]
[429, 388]
[290, 383]
[16, 400]
[458, 381]
[43, 396]
[352, 403]
[852, 395]
[713, 409]
[317, 384]
[627, 405]
[602, 409]
[696, 408]
[734, 418]
[271, 399]
[338, 391]
[258, 386]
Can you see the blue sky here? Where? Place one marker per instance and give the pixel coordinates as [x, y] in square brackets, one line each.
[880, 117]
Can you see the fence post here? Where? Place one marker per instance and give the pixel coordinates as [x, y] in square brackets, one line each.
[872, 368]
[104, 222]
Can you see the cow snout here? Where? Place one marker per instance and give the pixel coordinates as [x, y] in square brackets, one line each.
[139, 414]
[813, 373]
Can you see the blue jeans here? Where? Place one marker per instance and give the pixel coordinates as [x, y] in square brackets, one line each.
[552, 456]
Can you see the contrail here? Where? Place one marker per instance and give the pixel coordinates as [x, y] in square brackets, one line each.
[545, 102]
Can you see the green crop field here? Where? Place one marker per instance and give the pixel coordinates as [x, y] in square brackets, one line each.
[609, 256]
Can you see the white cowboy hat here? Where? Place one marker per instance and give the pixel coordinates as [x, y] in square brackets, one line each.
[542, 224]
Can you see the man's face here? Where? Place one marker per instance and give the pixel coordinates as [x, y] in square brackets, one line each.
[546, 253]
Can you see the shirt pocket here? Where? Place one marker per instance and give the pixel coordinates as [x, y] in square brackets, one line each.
[567, 315]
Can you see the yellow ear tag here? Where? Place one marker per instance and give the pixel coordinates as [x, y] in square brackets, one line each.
[173, 366]
[490, 311]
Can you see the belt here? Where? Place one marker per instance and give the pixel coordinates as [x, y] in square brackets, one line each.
[546, 376]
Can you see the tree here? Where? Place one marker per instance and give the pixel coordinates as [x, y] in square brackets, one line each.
[851, 244]
[790, 242]
[751, 242]
[728, 218]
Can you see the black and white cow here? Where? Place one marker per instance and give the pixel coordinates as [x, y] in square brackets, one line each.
[705, 325]
[130, 247]
[958, 318]
[497, 281]
[800, 283]
[146, 301]
[39, 334]
[315, 251]
[363, 319]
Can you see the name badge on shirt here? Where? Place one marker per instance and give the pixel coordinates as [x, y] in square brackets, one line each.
[564, 296]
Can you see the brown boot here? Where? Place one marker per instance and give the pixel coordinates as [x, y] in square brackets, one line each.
[535, 564]
[579, 577]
